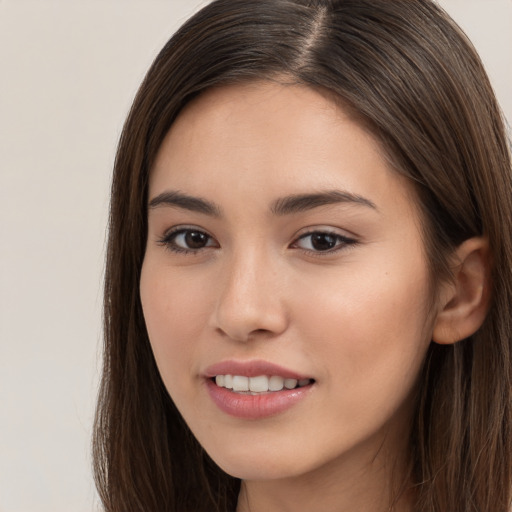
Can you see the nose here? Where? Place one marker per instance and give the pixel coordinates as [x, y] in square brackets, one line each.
[251, 299]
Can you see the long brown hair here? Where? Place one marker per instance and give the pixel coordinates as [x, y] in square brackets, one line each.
[414, 78]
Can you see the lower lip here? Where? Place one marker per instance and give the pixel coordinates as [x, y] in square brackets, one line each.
[254, 407]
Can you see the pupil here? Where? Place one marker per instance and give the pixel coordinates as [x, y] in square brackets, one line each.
[323, 242]
[195, 240]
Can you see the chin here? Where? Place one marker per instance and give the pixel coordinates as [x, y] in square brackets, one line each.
[260, 464]
[258, 470]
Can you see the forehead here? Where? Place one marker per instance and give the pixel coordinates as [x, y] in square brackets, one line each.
[269, 138]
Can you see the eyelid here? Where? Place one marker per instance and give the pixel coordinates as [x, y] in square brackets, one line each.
[326, 228]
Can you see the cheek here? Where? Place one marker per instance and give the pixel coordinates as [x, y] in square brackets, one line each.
[369, 334]
[175, 310]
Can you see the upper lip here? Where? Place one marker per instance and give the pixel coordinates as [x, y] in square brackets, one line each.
[252, 368]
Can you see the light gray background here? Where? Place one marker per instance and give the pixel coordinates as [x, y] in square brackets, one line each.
[68, 72]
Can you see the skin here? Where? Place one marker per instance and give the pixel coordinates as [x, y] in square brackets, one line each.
[356, 319]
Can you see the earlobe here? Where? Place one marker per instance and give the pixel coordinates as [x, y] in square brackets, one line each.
[465, 300]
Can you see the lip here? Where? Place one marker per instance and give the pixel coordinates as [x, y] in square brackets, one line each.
[251, 369]
[253, 407]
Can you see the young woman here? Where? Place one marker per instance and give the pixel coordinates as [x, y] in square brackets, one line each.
[308, 285]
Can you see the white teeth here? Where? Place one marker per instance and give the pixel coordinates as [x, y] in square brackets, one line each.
[228, 381]
[240, 383]
[290, 383]
[275, 383]
[259, 384]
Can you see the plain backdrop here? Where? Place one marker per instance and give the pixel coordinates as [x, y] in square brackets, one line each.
[68, 72]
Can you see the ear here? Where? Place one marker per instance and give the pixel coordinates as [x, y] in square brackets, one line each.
[464, 301]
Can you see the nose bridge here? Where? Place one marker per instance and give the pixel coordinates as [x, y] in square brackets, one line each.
[250, 299]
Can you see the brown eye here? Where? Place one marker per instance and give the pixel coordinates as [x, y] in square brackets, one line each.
[195, 239]
[323, 241]
[187, 240]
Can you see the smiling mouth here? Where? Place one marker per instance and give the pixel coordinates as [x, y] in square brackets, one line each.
[258, 385]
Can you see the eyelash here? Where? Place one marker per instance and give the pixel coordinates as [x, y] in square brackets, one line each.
[168, 241]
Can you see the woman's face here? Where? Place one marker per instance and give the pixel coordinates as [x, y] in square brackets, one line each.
[283, 251]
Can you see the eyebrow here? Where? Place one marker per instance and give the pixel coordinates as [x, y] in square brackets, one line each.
[287, 205]
[186, 202]
[303, 202]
